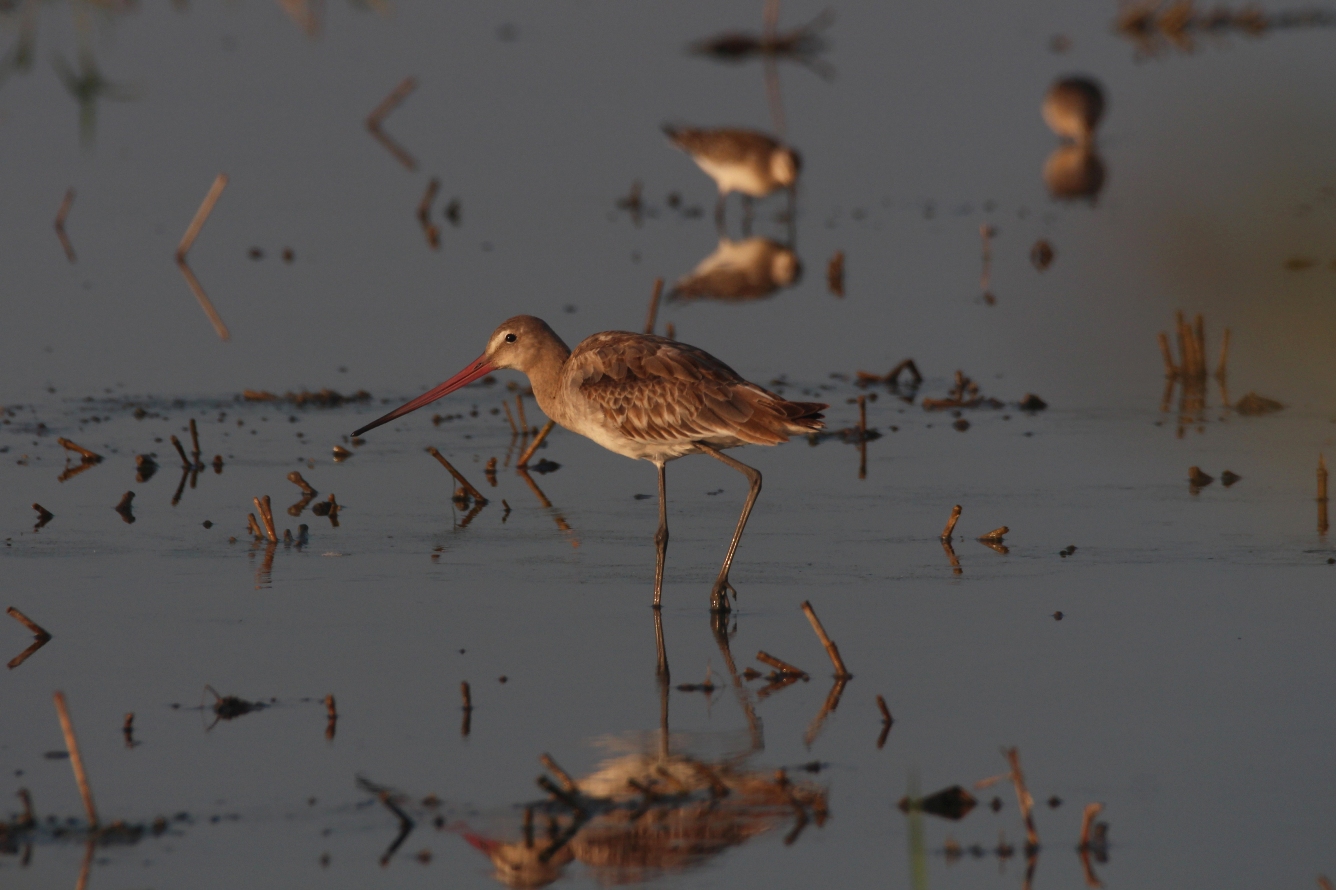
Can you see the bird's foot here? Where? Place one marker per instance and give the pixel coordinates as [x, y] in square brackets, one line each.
[719, 596]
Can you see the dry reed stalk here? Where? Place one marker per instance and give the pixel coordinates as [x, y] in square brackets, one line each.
[194, 440]
[1221, 370]
[296, 479]
[185, 462]
[567, 783]
[201, 215]
[37, 630]
[1023, 798]
[519, 412]
[490, 471]
[533, 446]
[1170, 369]
[76, 761]
[1322, 478]
[88, 456]
[832, 650]
[382, 111]
[61, 214]
[467, 486]
[996, 534]
[951, 523]
[779, 664]
[510, 418]
[862, 417]
[256, 532]
[670, 332]
[885, 711]
[467, 723]
[267, 517]
[654, 306]
[1087, 822]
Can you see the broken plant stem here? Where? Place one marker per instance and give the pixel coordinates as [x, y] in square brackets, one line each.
[76, 761]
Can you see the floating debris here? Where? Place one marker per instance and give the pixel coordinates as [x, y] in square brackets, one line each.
[124, 507]
[43, 516]
[1227, 478]
[1041, 255]
[835, 274]
[954, 803]
[1253, 405]
[325, 398]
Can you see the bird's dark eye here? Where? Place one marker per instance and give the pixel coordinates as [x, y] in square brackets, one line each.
[510, 338]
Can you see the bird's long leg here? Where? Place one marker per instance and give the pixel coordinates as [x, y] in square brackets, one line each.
[719, 593]
[661, 536]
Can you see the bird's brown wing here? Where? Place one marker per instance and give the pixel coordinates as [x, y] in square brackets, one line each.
[652, 389]
[722, 146]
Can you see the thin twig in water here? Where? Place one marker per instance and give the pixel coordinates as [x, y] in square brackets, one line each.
[381, 111]
[951, 524]
[188, 240]
[654, 306]
[1023, 799]
[61, 214]
[831, 649]
[37, 630]
[467, 486]
[76, 761]
[523, 462]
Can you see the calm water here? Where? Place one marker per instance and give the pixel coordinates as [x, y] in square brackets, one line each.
[1183, 687]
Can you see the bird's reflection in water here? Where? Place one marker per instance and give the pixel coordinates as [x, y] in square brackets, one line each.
[750, 269]
[1074, 171]
[662, 803]
[1073, 108]
[645, 813]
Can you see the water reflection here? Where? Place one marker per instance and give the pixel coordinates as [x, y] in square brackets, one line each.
[656, 806]
[1073, 108]
[750, 269]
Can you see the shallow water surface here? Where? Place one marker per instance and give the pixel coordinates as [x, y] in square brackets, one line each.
[1157, 647]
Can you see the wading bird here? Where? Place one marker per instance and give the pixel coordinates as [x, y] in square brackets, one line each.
[644, 397]
[740, 161]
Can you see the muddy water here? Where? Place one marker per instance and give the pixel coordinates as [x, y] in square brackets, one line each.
[1183, 686]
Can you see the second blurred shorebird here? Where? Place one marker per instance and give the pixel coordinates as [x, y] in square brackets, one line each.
[643, 397]
[744, 161]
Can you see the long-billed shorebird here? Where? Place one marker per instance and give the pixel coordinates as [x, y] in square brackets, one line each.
[644, 397]
[742, 161]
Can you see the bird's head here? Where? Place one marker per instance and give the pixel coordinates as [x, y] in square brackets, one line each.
[785, 165]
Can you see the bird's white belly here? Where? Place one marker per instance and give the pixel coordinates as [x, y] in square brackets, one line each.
[737, 177]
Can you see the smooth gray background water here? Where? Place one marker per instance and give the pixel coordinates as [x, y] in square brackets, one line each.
[1185, 686]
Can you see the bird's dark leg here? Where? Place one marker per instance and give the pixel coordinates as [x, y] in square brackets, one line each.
[661, 536]
[719, 593]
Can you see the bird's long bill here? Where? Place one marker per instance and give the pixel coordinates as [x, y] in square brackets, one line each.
[472, 372]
